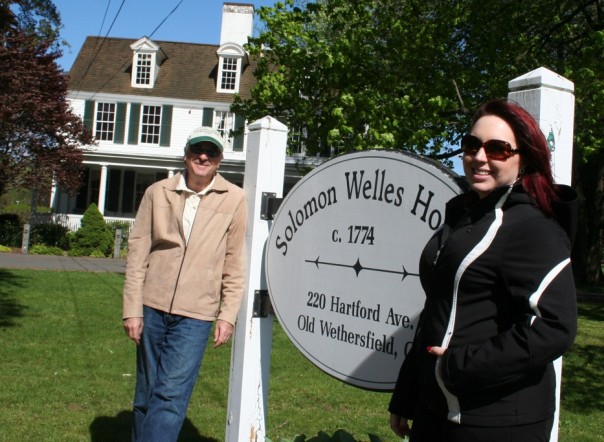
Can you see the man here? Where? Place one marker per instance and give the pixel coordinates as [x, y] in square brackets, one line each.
[185, 268]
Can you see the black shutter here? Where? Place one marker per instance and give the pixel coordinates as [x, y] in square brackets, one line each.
[89, 115]
[135, 116]
[208, 117]
[166, 125]
[120, 123]
[239, 133]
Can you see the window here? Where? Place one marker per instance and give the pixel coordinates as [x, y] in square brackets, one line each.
[231, 59]
[224, 122]
[105, 121]
[150, 125]
[146, 60]
[297, 143]
[143, 69]
[228, 80]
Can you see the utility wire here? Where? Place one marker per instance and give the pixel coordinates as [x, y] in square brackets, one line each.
[128, 60]
[166, 18]
[97, 47]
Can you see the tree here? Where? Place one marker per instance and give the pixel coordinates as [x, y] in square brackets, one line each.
[40, 137]
[405, 74]
[94, 235]
[344, 69]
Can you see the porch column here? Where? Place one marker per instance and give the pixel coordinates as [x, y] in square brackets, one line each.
[103, 188]
[54, 196]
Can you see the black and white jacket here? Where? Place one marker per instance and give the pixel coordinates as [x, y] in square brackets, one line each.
[500, 296]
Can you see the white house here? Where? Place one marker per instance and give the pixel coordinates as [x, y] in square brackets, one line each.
[141, 98]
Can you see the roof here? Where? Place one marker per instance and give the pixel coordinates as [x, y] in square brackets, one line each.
[188, 71]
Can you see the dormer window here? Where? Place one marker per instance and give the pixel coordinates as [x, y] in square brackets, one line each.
[146, 60]
[230, 67]
[228, 79]
[142, 70]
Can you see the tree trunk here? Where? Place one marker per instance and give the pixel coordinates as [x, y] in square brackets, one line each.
[587, 253]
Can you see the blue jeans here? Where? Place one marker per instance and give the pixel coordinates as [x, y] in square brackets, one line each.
[167, 365]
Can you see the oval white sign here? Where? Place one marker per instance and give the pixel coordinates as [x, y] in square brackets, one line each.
[342, 261]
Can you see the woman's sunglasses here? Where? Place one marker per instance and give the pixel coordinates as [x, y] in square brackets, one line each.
[494, 149]
[209, 151]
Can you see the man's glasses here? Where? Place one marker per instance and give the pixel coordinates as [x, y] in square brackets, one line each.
[495, 149]
[209, 151]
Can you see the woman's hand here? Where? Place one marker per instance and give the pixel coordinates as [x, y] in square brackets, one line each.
[399, 425]
[436, 351]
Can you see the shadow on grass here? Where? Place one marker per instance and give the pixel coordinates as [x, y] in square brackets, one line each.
[594, 311]
[583, 384]
[582, 380]
[10, 308]
[118, 429]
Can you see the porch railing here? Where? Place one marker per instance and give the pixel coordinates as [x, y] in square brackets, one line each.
[73, 222]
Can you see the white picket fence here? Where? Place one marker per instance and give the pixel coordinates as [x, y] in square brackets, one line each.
[73, 222]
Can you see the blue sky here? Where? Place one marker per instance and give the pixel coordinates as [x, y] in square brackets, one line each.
[194, 21]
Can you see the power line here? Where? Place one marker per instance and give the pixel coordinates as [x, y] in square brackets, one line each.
[97, 47]
[126, 62]
[166, 18]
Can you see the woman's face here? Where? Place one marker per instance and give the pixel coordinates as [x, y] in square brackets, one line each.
[485, 174]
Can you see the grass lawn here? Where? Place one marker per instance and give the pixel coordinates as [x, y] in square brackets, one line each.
[67, 373]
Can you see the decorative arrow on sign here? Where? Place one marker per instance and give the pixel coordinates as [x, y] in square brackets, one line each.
[357, 267]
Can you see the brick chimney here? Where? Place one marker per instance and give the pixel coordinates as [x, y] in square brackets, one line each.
[237, 23]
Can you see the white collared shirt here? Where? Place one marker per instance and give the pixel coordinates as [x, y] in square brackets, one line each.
[192, 200]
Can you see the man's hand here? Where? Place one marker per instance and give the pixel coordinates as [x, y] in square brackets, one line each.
[222, 332]
[134, 328]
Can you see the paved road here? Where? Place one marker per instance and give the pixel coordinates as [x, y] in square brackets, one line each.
[50, 262]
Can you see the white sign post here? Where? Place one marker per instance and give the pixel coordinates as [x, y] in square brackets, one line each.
[550, 99]
[342, 261]
[252, 341]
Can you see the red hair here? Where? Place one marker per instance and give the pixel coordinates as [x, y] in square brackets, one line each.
[537, 179]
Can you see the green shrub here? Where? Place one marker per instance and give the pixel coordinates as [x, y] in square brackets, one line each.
[76, 253]
[11, 230]
[41, 249]
[51, 234]
[4, 249]
[93, 235]
[97, 254]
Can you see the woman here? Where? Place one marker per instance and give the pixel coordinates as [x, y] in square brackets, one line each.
[500, 296]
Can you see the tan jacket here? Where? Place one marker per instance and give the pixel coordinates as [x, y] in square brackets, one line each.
[202, 280]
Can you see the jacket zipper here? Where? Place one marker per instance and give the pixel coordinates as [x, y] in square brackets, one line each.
[178, 279]
[445, 240]
[182, 261]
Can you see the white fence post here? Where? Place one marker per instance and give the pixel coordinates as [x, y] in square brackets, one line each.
[252, 340]
[550, 99]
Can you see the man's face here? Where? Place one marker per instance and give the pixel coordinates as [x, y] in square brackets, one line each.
[202, 161]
